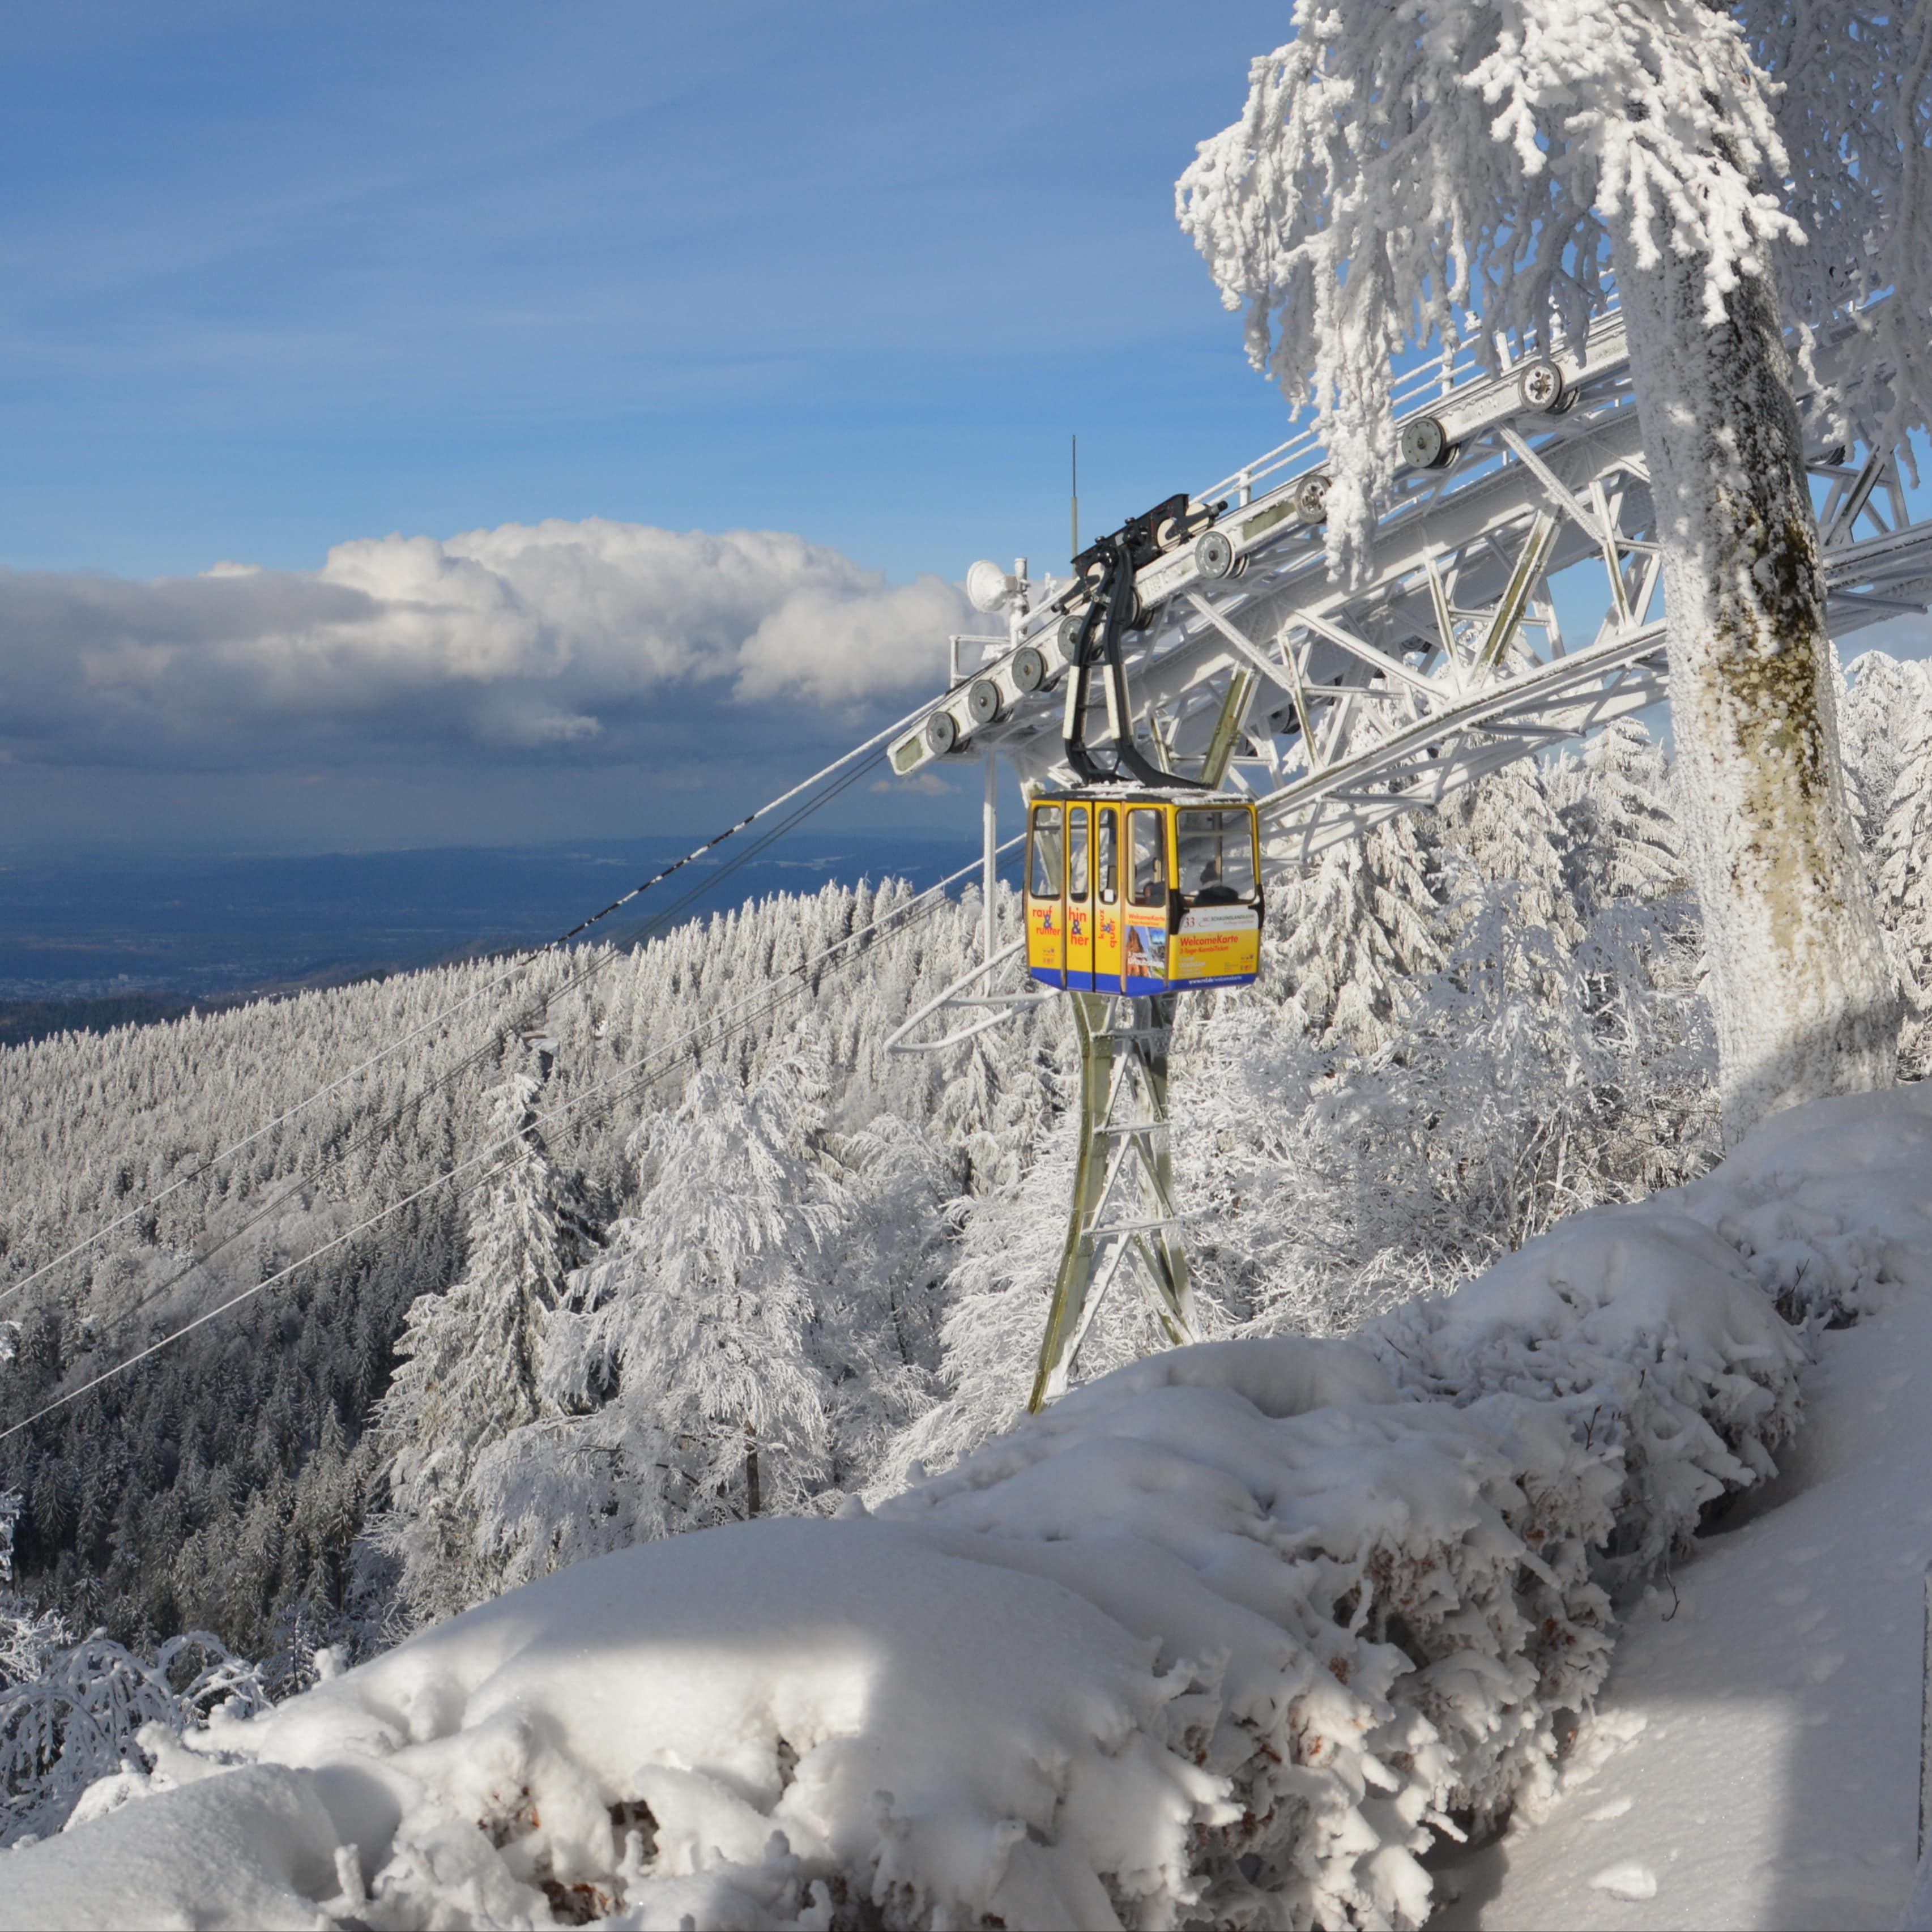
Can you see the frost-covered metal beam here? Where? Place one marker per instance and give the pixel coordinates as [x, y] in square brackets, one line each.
[1527, 515]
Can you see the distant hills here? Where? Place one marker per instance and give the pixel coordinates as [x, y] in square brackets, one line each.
[91, 944]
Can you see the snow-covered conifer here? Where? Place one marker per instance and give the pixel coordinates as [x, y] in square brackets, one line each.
[468, 1373]
[1274, 1213]
[1506, 827]
[10, 1503]
[1904, 860]
[997, 1296]
[686, 1386]
[1881, 697]
[1347, 941]
[1623, 841]
[877, 1336]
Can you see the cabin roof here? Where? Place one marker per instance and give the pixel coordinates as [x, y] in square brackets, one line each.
[1131, 794]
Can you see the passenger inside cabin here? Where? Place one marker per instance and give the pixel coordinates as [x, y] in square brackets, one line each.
[1217, 865]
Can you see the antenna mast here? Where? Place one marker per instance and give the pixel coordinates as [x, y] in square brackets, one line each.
[1076, 550]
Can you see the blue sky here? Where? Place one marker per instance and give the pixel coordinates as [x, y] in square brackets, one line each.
[315, 291]
[279, 278]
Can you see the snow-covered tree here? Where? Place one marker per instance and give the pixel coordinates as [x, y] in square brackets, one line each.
[683, 1375]
[876, 1338]
[1395, 169]
[1879, 698]
[1852, 95]
[998, 1293]
[10, 1502]
[1505, 827]
[72, 1712]
[1001, 1285]
[1345, 943]
[1289, 1227]
[468, 1373]
[1622, 840]
[994, 1100]
[1904, 860]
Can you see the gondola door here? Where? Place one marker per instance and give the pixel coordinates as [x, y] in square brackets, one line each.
[1144, 859]
[1079, 898]
[1046, 885]
[1108, 910]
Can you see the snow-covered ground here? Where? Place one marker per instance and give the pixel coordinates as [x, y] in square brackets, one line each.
[1754, 1757]
[1219, 1639]
[1754, 1760]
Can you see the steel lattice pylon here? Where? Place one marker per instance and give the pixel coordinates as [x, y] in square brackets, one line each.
[1123, 1212]
[1450, 657]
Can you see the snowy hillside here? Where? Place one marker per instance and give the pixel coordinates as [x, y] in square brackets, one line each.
[1231, 1635]
[227, 1493]
[1475, 1022]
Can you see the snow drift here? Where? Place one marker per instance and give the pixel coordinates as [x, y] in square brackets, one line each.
[1155, 1656]
[1649, 1333]
[1228, 1636]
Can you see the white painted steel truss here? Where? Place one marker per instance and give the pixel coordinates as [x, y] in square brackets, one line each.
[1514, 600]
[1122, 1219]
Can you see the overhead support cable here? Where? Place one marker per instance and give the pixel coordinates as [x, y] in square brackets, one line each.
[387, 1126]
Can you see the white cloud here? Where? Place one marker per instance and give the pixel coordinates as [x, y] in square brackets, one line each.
[587, 634]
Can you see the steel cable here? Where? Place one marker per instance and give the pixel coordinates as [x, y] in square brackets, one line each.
[390, 1122]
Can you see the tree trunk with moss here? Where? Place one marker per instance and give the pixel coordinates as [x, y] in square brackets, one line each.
[1805, 999]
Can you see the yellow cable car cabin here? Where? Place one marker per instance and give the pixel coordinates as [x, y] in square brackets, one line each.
[1131, 891]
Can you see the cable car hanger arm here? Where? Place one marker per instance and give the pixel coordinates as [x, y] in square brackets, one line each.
[1112, 611]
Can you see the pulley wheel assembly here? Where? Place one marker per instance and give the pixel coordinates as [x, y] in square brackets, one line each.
[1213, 554]
[1541, 386]
[1425, 444]
[1028, 668]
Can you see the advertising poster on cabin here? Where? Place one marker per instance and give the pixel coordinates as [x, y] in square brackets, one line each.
[1146, 952]
[1218, 946]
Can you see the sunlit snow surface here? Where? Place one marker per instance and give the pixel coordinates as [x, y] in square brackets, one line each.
[1035, 1689]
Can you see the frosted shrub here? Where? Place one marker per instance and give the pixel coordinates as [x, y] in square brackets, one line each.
[71, 1715]
[1820, 1205]
[1380, 1610]
[1222, 1639]
[1647, 1334]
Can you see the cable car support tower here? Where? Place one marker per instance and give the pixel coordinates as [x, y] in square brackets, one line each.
[1514, 601]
